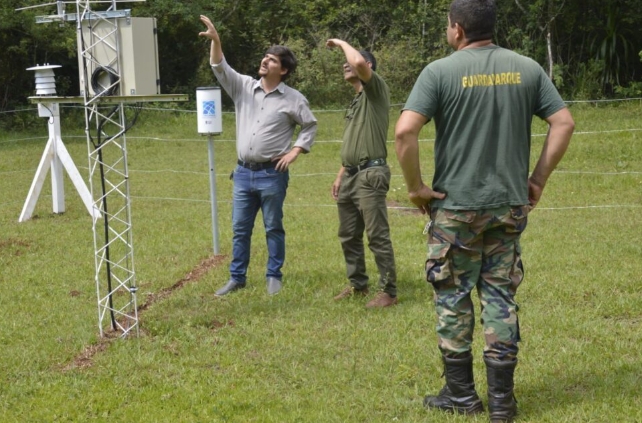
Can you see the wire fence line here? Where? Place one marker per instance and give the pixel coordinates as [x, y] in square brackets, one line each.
[331, 141]
[312, 175]
[329, 175]
[134, 198]
[200, 139]
[394, 105]
[293, 174]
[12, 172]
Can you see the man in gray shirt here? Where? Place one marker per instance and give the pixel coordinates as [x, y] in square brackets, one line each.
[267, 113]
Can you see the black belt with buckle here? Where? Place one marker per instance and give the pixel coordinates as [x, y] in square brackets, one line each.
[257, 165]
[353, 170]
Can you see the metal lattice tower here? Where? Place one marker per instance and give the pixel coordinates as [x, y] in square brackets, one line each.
[108, 172]
[106, 122]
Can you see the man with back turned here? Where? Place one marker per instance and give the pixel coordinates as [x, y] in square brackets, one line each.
[482, 99]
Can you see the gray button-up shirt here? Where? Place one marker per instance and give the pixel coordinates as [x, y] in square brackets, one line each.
[265, 122]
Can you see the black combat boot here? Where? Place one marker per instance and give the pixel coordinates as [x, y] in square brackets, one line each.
[458, 395]
[502, 405]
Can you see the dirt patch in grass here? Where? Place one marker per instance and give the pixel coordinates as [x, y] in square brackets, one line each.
[85, 358]
[13, 247]
[192, 276]
[217, 324]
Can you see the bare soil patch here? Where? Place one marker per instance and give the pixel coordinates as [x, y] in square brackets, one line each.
[85, 358]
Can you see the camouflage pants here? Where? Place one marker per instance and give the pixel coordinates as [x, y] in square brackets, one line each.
[480, 249]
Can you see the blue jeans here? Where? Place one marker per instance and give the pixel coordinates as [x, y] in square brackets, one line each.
[254, 190]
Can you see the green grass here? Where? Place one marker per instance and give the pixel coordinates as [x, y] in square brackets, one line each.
[298, 356]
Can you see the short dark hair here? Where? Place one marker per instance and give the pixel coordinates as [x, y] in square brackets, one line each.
[369, 58]
[285, 55]
[476, 17]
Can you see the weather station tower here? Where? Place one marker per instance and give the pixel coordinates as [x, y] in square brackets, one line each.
[118, 73]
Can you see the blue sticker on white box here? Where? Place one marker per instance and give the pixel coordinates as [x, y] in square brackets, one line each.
[209, 108]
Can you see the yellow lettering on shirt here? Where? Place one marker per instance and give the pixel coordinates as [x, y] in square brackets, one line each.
[490, 80]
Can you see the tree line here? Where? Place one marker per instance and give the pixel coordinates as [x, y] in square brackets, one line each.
[590, 48]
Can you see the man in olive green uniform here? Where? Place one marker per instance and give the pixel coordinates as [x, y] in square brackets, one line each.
[363, 181]
[482, 98]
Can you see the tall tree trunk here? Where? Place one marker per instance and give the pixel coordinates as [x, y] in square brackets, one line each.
[549, 49]
[551, 14]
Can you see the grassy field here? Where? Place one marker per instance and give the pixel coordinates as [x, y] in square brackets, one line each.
[299, 356]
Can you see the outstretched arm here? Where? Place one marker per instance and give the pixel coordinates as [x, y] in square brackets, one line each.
[354, 59]
[561, 127]
[216, 51]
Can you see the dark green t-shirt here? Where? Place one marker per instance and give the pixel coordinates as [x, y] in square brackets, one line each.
[483, 101]
[366, 131]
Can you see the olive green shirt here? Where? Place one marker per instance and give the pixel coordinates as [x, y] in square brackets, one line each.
[483, 101]
[367, 118]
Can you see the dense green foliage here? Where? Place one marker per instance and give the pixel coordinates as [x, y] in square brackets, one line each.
[592, 53]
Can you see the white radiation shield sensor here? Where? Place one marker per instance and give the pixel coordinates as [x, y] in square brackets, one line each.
[45, 79]
[208, 109]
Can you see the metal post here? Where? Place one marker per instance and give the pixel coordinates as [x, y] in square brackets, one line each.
[210, 147]
[209, 120]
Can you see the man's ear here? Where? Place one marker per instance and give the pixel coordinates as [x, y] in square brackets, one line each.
[459, 32]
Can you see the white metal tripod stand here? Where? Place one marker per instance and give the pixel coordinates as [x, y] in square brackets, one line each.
[55, 157]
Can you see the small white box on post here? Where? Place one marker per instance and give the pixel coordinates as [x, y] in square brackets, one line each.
[210, 122]
[208, 107]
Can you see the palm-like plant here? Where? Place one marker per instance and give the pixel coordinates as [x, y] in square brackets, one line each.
[612, 49]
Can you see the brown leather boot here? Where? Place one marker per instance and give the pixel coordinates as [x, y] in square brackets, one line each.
[382, 299]
[502, 405]
[458, 395]
[350, 292]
